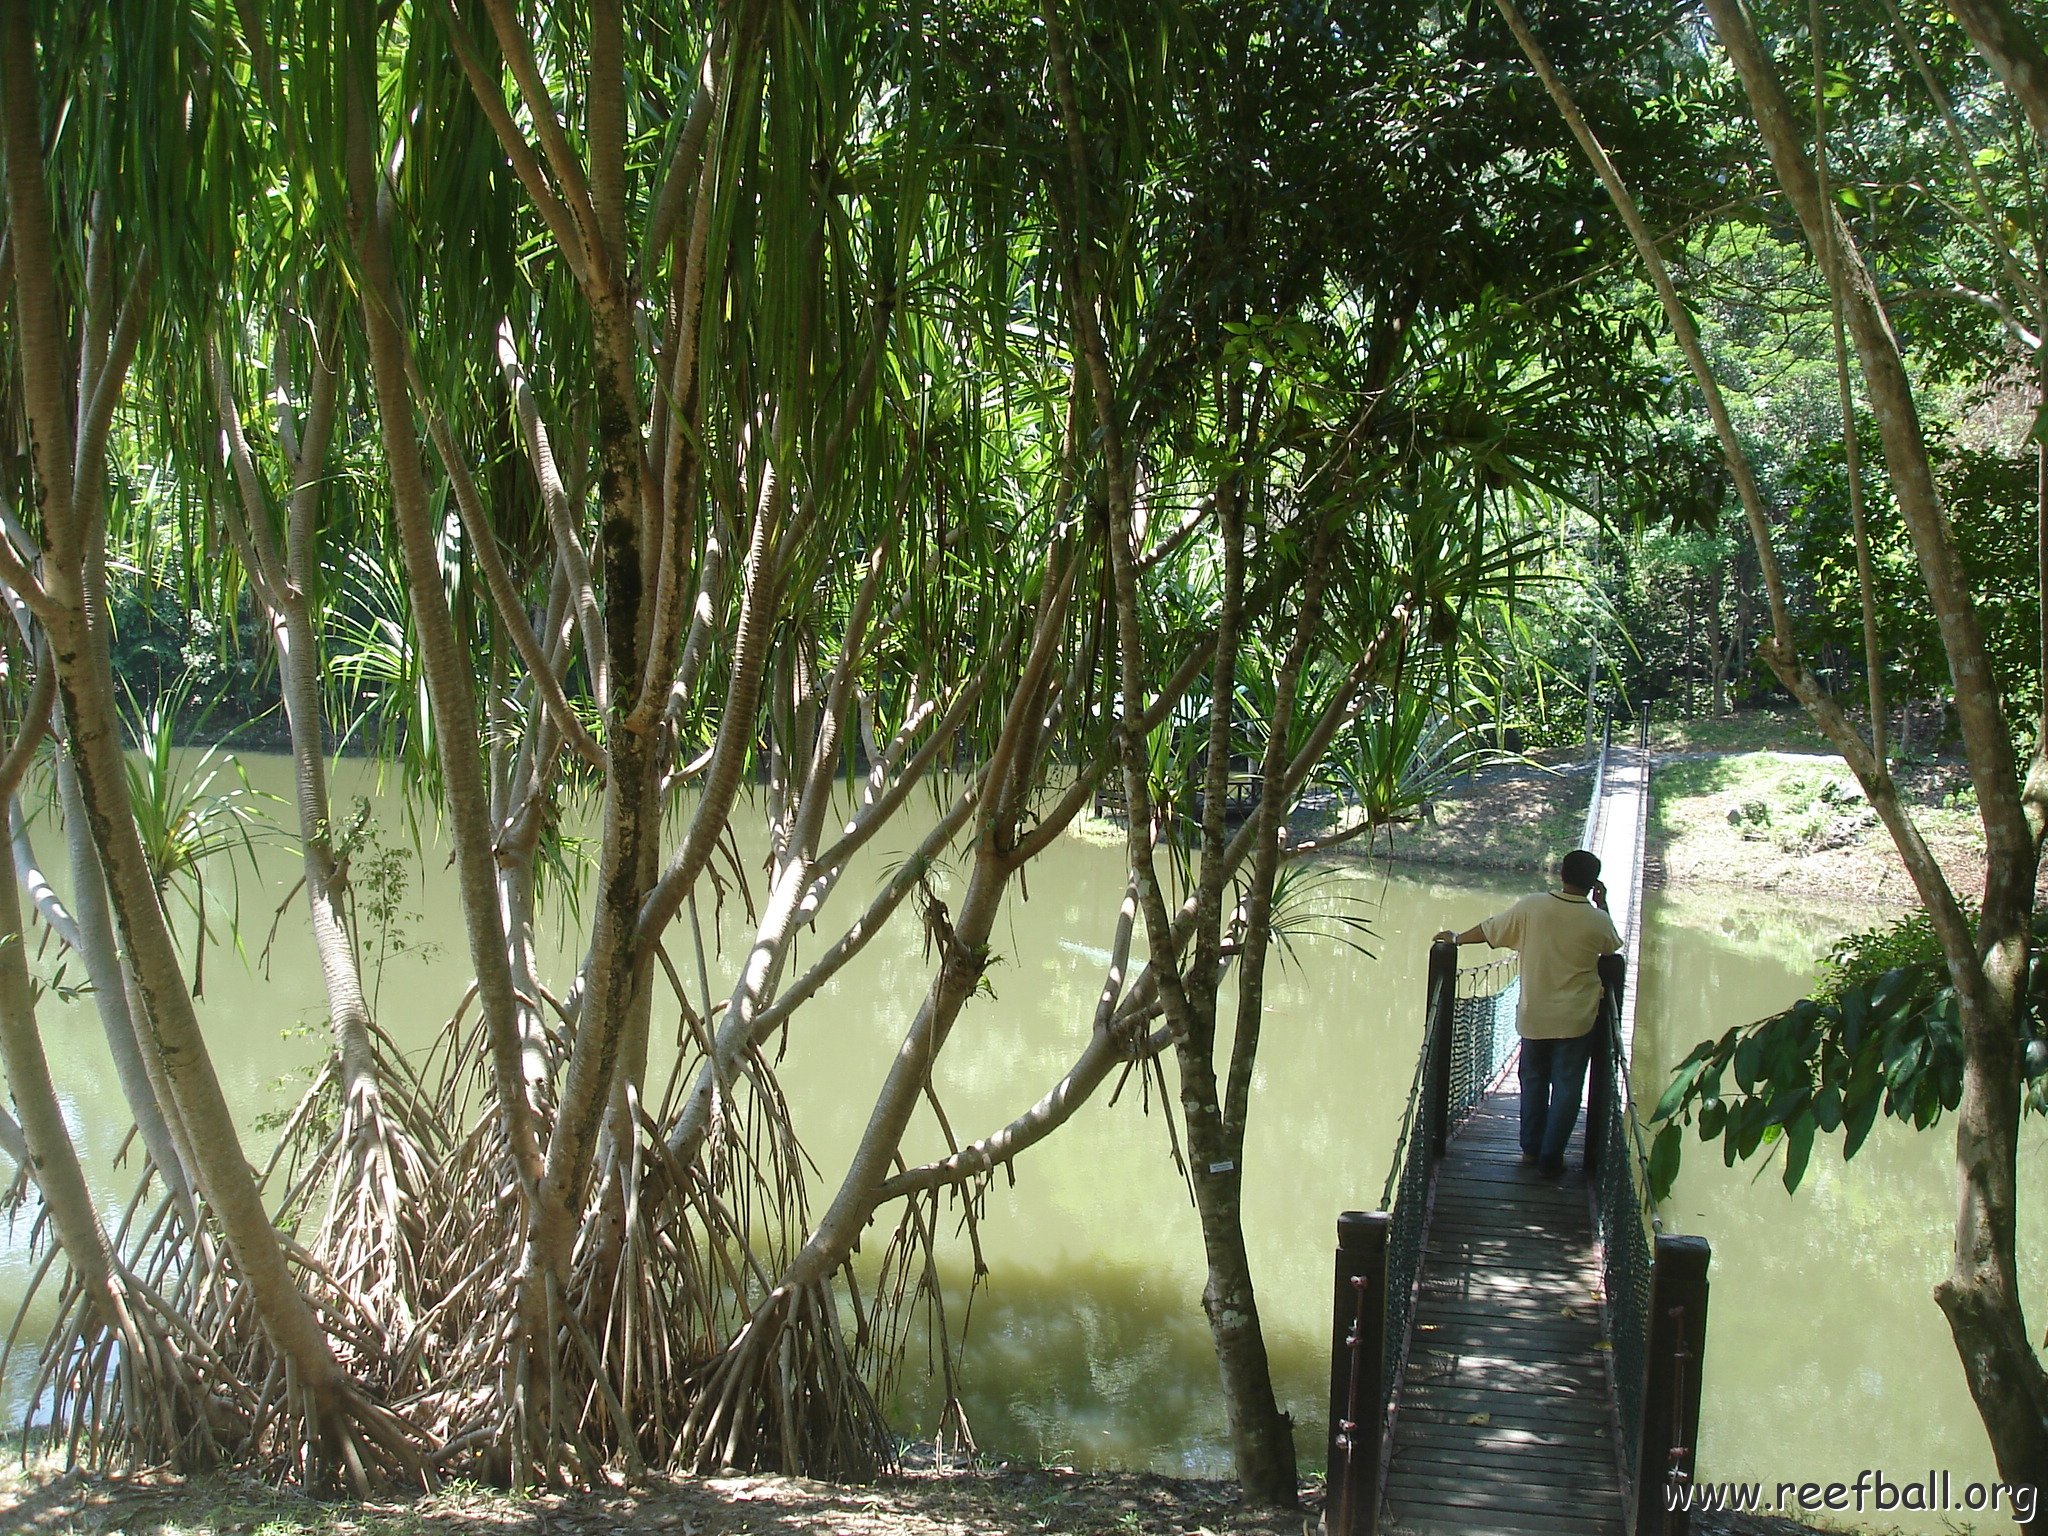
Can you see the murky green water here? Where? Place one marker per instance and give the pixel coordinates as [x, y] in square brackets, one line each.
[1826, 1354]
[1086, 1342]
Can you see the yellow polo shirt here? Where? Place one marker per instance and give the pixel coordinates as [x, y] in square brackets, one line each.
[1560, 939]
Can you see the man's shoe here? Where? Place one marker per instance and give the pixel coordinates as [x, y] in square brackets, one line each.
[1550, 1168]
[1528, 1159]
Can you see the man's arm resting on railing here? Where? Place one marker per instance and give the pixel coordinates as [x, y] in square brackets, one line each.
[1473, 935]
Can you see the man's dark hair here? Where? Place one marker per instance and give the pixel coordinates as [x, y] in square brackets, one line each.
[1579, 869]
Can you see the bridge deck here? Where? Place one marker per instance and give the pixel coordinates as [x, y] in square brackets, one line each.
[1504, 1418]
[1616, 829]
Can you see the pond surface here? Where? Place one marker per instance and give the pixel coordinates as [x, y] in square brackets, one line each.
[1826, 1354]
[1085, 1341]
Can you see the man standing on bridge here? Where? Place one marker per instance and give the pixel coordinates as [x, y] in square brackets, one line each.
[1560, 936]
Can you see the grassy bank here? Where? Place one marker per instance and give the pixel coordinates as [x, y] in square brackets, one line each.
[1507, 816]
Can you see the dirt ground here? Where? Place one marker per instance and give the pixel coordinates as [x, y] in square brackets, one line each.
[916, 1503]
[1796, 823]
[1002, 1501]
[1509, 816]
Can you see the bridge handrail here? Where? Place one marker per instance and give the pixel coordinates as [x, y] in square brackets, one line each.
[1481, 996]
[1625, 1221]
[1467, 1039]
[1594, 800]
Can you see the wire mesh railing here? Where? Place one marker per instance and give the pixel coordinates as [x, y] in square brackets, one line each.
[1407, 1226]
[1625, 1221]
[1468, 1040]
[1483, 1030]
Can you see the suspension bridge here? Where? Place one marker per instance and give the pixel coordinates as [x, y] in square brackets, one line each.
[1511, 1354]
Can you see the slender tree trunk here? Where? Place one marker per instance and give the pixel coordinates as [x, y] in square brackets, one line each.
[69, 474]
[443, 657]
[1717, 653]
[962, 942]
[1262, 1437]
[141, 1076]
[2013, 50]
[1981, 1295]
[380, 1173]
[51, 1158]
[282, 581]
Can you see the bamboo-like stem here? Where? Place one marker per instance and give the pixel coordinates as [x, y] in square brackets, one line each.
[444, 659]
[511, 611]
[1084, 296]
[1780, 650]
[553, 211]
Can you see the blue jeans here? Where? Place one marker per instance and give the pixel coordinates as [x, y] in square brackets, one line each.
[1553, 1083]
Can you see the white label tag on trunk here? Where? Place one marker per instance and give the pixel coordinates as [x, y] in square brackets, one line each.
[1224, 1167]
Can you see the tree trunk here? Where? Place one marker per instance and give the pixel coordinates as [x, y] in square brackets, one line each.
[52, 1160]
[1981, 1295]
[443, 658]
[379, 1173]
[70, 482]
[1717, 654]
[92, 926]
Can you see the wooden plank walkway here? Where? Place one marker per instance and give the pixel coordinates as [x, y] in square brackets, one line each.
[1504, 1418]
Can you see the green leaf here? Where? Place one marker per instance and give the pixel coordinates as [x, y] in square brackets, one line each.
[1862, 1114]
[1748, 1062]
[1664, 1157]
[1713, 1118]
[1798, 1148]
[1747, 1127]
[1791, 1106]
[1827, 1108]
[1889, 991]
[1855, 1017]
[1681, 1085]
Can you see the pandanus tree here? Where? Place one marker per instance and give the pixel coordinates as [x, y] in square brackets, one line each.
[85, 277]
[742, 421]
[768, 394]
[1368, 414]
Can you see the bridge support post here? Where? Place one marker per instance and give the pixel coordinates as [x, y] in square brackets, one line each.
[1443, 1020]
[1358, 1354]
[1671, 1387]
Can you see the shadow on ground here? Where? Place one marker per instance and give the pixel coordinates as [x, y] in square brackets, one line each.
[924, 1503]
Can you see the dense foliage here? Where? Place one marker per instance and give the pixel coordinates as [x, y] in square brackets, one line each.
[730, 413]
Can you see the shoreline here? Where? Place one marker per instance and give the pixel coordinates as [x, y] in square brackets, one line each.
[1788, 823]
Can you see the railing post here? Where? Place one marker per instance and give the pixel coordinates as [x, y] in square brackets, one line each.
[1671, 1386]
[1443, 997]
[1613, 977]
[1358, 1353]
